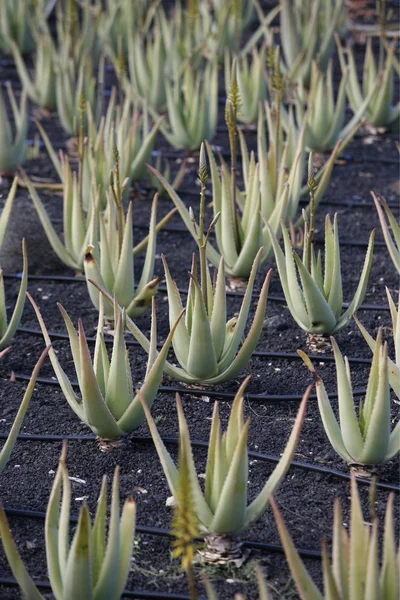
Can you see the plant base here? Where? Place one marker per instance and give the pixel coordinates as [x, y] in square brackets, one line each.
[236, 284]
[223, 550]
[72, 147]
[43, 113]
[106, 445]
[364, 471]
[317, 343]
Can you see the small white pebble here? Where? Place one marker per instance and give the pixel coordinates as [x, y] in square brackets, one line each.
[77, 480]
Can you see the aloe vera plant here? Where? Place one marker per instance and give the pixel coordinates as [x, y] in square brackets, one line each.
[147, 62]
[364, 440]
[380, 111]
[124, 129]
[355, 570]
[283, 158]
[231, 19]
[393, 366]
[192, 107]
[91, 566]
[119, 22]
[239, 253]
[317, 304]
[390, 229]
[12, 137]
[79, 228]
[205, 345]
[238, 217]
[9, 327]
[325, 123]
[19, 20]
[108, 403]
[123, 134]
[251, 81]
[40, 86]
[110, 261]
[78, 28]
[9, 444]
[74, 81]
[222, 510]
[307, 31]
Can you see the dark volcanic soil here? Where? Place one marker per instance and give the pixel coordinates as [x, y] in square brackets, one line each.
[304, 497]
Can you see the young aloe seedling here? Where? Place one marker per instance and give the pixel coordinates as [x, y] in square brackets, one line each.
[127, 128]
[108, 404]
[307, 29]
[110, 261]
[251, 79]
[192, 107]
[356, 570]
[376, 99]
[222, 510]
[79, 228]
[91, 566]
[325, 124]
[147, 62]
[75, 80]
[40, 87]
[205, 344]
[316, 305]
[366, 440]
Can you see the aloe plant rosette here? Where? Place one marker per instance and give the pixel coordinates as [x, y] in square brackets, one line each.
[91, 566]
[365, 440]
[222, 509]
[379, 110]
[108, 404]
[79, 227]
[317, 304]
[110, 262]
[205, 344]
[355, 570]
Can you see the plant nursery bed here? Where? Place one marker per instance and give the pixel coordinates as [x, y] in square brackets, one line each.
[279, 379]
